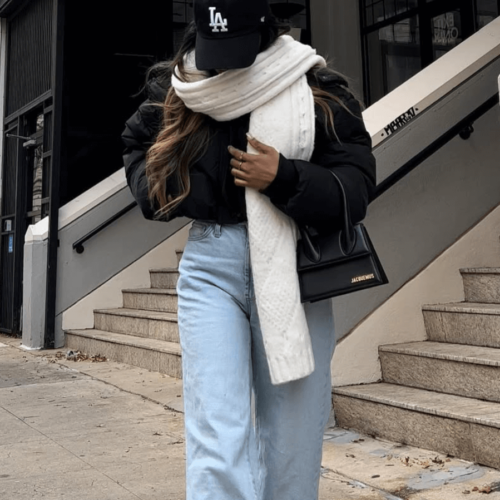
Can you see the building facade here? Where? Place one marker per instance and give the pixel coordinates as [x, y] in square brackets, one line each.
[71, 77]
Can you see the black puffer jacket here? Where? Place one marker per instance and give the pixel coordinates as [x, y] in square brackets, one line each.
[304, 190]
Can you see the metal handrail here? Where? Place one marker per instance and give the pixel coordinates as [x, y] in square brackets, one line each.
[463, 128]
[78, 245]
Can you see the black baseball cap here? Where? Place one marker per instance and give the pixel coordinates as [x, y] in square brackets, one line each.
[228, 32]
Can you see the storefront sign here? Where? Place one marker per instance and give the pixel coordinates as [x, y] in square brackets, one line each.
[445, 31]
[401, 121]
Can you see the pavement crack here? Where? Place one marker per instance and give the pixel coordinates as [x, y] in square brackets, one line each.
[359, 484]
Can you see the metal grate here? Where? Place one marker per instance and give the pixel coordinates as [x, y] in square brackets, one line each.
[29, 54]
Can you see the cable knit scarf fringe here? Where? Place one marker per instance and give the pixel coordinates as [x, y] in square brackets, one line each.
[276, 93]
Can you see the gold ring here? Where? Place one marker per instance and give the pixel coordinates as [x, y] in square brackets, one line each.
[241, 163]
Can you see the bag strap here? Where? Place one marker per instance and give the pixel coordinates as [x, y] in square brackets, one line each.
[347, 237]
[348, 233]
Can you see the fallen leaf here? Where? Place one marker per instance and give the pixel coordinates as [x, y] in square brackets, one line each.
[485, 489]
[98, 358]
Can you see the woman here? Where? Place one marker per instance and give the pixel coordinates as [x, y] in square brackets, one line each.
[239, 133]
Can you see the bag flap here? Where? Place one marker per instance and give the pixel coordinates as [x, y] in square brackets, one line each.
[331, 250]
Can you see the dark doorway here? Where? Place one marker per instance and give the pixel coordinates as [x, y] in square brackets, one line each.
[107, 52]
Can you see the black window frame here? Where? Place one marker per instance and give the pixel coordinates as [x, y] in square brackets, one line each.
[424, 11]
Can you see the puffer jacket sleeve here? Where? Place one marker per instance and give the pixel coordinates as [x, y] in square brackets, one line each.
[306, 191]
[139, 134]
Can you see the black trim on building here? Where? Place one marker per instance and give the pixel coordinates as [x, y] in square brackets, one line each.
[418, 25]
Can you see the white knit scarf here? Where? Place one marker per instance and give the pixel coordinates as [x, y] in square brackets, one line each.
[276, 93]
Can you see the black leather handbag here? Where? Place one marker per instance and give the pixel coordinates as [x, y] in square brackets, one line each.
[337, 263]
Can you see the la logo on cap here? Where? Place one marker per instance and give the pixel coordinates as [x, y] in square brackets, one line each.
[216, 21]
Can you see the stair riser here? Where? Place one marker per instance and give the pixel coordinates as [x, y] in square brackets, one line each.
[482, 288]
[449, 377]
[140, 327]
[164, 280]
[179, 253]
[150, 302]
[155, 361]
[473, 442]
[463, 328]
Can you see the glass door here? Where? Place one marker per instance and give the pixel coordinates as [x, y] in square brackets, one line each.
[37, 199]
[25, 201]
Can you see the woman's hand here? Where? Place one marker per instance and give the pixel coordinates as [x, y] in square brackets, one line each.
[256, 171]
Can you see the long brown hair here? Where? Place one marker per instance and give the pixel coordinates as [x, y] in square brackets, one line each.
[185, 135]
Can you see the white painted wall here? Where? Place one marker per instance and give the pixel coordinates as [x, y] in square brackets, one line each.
[106, 255]
[82, 204]
[449, 193]
[109, 296]
[400, 318]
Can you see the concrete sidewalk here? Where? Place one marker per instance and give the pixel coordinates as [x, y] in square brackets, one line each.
[104, 430]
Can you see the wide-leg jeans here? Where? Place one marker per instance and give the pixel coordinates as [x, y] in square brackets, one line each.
[232, 452]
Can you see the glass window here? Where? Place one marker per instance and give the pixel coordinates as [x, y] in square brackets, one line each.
[447, 32]
[377, 11]
[487, 10]
[36, 205]
[393, 56]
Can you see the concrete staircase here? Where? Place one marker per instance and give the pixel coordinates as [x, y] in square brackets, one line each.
[143, 333]
[442, 394]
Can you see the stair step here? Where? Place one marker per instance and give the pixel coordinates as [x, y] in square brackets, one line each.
[463, 323]
[463, 427]
[482, 285]
[164, 278]
[150, 299]
[463, 370]
[154, 355]
[147, 324]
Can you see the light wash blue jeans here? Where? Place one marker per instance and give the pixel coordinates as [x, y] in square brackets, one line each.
[230, 455]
